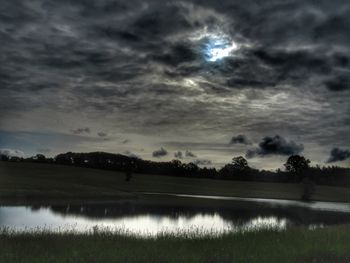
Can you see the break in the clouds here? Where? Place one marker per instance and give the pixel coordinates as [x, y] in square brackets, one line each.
[337, 155]
[188, 72]
[275, 145]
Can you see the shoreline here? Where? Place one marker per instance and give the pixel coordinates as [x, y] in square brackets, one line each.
[150, 197]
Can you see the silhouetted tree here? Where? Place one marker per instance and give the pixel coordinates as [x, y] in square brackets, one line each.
[297, 168]
[40, 158]
[15, 159]
[4, 158]
[239, 163]
[191, 169]
[297, 165]
[237, 169]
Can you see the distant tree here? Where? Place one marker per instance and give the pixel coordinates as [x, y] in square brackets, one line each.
[239, 163]
[226, 172]
[237, 169]
[297, 165]
[40, 158]
[175, 168]
[15, 159]
[191, 169]
[4, 158]
[176, 163]
[296, 169]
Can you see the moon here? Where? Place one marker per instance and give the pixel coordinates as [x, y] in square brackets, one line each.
[218, 49]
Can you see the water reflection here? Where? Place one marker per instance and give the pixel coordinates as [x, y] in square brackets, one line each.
[27, 220]
[150, 219]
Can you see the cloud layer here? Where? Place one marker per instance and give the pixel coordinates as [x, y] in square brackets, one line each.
[140, 69]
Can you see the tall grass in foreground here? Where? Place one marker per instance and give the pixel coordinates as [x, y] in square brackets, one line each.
[293, 245]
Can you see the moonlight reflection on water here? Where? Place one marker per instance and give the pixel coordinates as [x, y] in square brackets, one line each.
[23, 219]
[152, 219]
[149, 219]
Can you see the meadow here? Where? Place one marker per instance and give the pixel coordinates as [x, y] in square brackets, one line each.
[32, 183]
[297, 245]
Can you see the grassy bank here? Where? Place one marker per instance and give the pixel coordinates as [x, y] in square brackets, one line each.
[25, 183]
[329, 245]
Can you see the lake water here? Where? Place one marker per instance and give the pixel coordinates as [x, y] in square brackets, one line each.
[151, 219]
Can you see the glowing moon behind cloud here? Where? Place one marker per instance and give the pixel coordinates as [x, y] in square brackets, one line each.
[215, 45]
[218, 49]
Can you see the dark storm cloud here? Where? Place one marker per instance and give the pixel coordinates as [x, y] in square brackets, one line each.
[160, 153]
[276, 145]
[338, 155]
[240, 139]
[292, 67]
[298, 41]
[151, 31]
[338, 83]
[85, 130]
[178, 54]
[160, 20]
[111, 41]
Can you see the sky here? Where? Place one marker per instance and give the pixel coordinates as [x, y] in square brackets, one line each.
[199, 81]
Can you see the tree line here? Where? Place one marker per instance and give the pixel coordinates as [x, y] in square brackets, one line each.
[296, 168]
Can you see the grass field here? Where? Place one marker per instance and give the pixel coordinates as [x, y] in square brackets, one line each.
[298, 245]
[28, 182]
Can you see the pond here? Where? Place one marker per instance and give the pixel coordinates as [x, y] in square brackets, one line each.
[149, 218]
